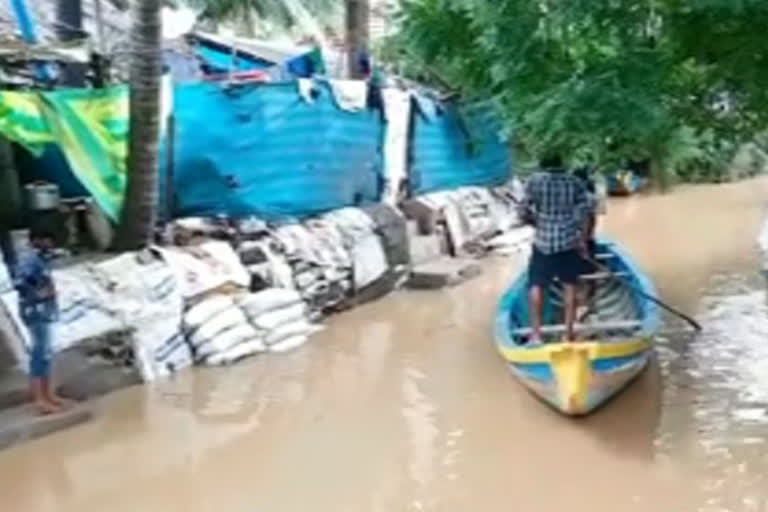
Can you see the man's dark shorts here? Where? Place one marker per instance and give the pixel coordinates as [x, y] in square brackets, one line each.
[566, 266]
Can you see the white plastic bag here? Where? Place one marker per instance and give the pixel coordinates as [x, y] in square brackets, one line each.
[223, 321]
[288, 344]
[204, 311]
[271, 299]
[274, 319]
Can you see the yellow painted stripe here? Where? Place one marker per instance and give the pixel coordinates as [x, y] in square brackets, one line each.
[594, 349]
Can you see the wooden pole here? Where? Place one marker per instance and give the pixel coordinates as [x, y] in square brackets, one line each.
[101, 43]
[170, 161]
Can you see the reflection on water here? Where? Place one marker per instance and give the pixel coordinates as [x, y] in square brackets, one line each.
[404, 405]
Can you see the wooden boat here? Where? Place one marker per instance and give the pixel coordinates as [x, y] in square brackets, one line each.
[625, 183]
[614, 336]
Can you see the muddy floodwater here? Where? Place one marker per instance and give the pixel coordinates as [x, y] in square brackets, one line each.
[404, 405]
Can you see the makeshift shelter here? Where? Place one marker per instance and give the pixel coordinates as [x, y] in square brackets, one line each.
[454, 148]
[266, 150]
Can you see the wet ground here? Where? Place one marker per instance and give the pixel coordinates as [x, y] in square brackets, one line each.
[403, 405]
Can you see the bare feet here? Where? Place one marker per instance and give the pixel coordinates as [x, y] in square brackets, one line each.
[59, 400]
[46, 407]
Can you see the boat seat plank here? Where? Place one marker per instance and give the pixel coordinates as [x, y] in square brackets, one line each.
[595, 327]
[598, 276]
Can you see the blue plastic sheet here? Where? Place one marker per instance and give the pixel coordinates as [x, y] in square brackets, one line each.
[263, 150]
[451, 151]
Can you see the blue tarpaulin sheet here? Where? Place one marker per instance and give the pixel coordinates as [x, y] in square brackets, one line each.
[263, 150]
[451, 151]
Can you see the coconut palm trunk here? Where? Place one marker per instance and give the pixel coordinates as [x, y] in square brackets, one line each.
[356, 14]
[141, 200]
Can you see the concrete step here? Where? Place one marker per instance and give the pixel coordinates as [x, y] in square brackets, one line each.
[443, 272]
[14, 389]
[24, 423]
[82, 378]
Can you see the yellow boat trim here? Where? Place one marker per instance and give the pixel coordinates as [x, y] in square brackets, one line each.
[573, 371]
[593, 349]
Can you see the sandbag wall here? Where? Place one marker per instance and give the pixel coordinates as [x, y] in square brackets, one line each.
[472, 221]
[164, 309]
[333, 260]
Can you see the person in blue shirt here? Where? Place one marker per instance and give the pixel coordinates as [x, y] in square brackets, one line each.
[39, 310]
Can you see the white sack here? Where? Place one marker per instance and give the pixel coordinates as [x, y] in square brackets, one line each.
[293, 329]
[85, 309]
[264, 301]
[289, 344]
[226, 340]
[223, 321]
[206, 267]
[168, 357]
[236, 353]
[370, 262]
[148, 298]
[206, 310]
[274, 319]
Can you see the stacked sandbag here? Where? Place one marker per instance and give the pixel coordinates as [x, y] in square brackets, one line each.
[507, 199]
[362, 243]
[148, 298]
[320, 265]
[280, 315]
[472, 215]
[219, 332]
[391, 226]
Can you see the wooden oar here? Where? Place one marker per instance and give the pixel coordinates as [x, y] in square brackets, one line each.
[693, 323]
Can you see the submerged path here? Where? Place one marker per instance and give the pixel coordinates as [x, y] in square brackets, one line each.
[403, 405]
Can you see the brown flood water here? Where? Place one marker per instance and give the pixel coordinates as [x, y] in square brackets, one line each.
[403, 405]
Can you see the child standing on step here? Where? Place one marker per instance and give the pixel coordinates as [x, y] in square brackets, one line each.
[38, 308]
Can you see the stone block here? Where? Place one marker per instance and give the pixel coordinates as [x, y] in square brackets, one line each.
[442, 273]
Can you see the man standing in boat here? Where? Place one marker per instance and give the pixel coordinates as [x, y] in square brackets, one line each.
[557, 203]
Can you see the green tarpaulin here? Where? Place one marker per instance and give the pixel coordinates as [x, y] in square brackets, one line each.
[90, 126]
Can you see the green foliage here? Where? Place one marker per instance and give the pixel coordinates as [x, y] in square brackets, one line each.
[603, 80]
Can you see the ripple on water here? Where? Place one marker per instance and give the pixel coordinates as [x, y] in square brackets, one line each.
[716, 396]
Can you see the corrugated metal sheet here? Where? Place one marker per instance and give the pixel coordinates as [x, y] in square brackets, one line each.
[263, 150]
[449, 153]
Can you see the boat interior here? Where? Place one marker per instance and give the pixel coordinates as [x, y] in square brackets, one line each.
[609, 308]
